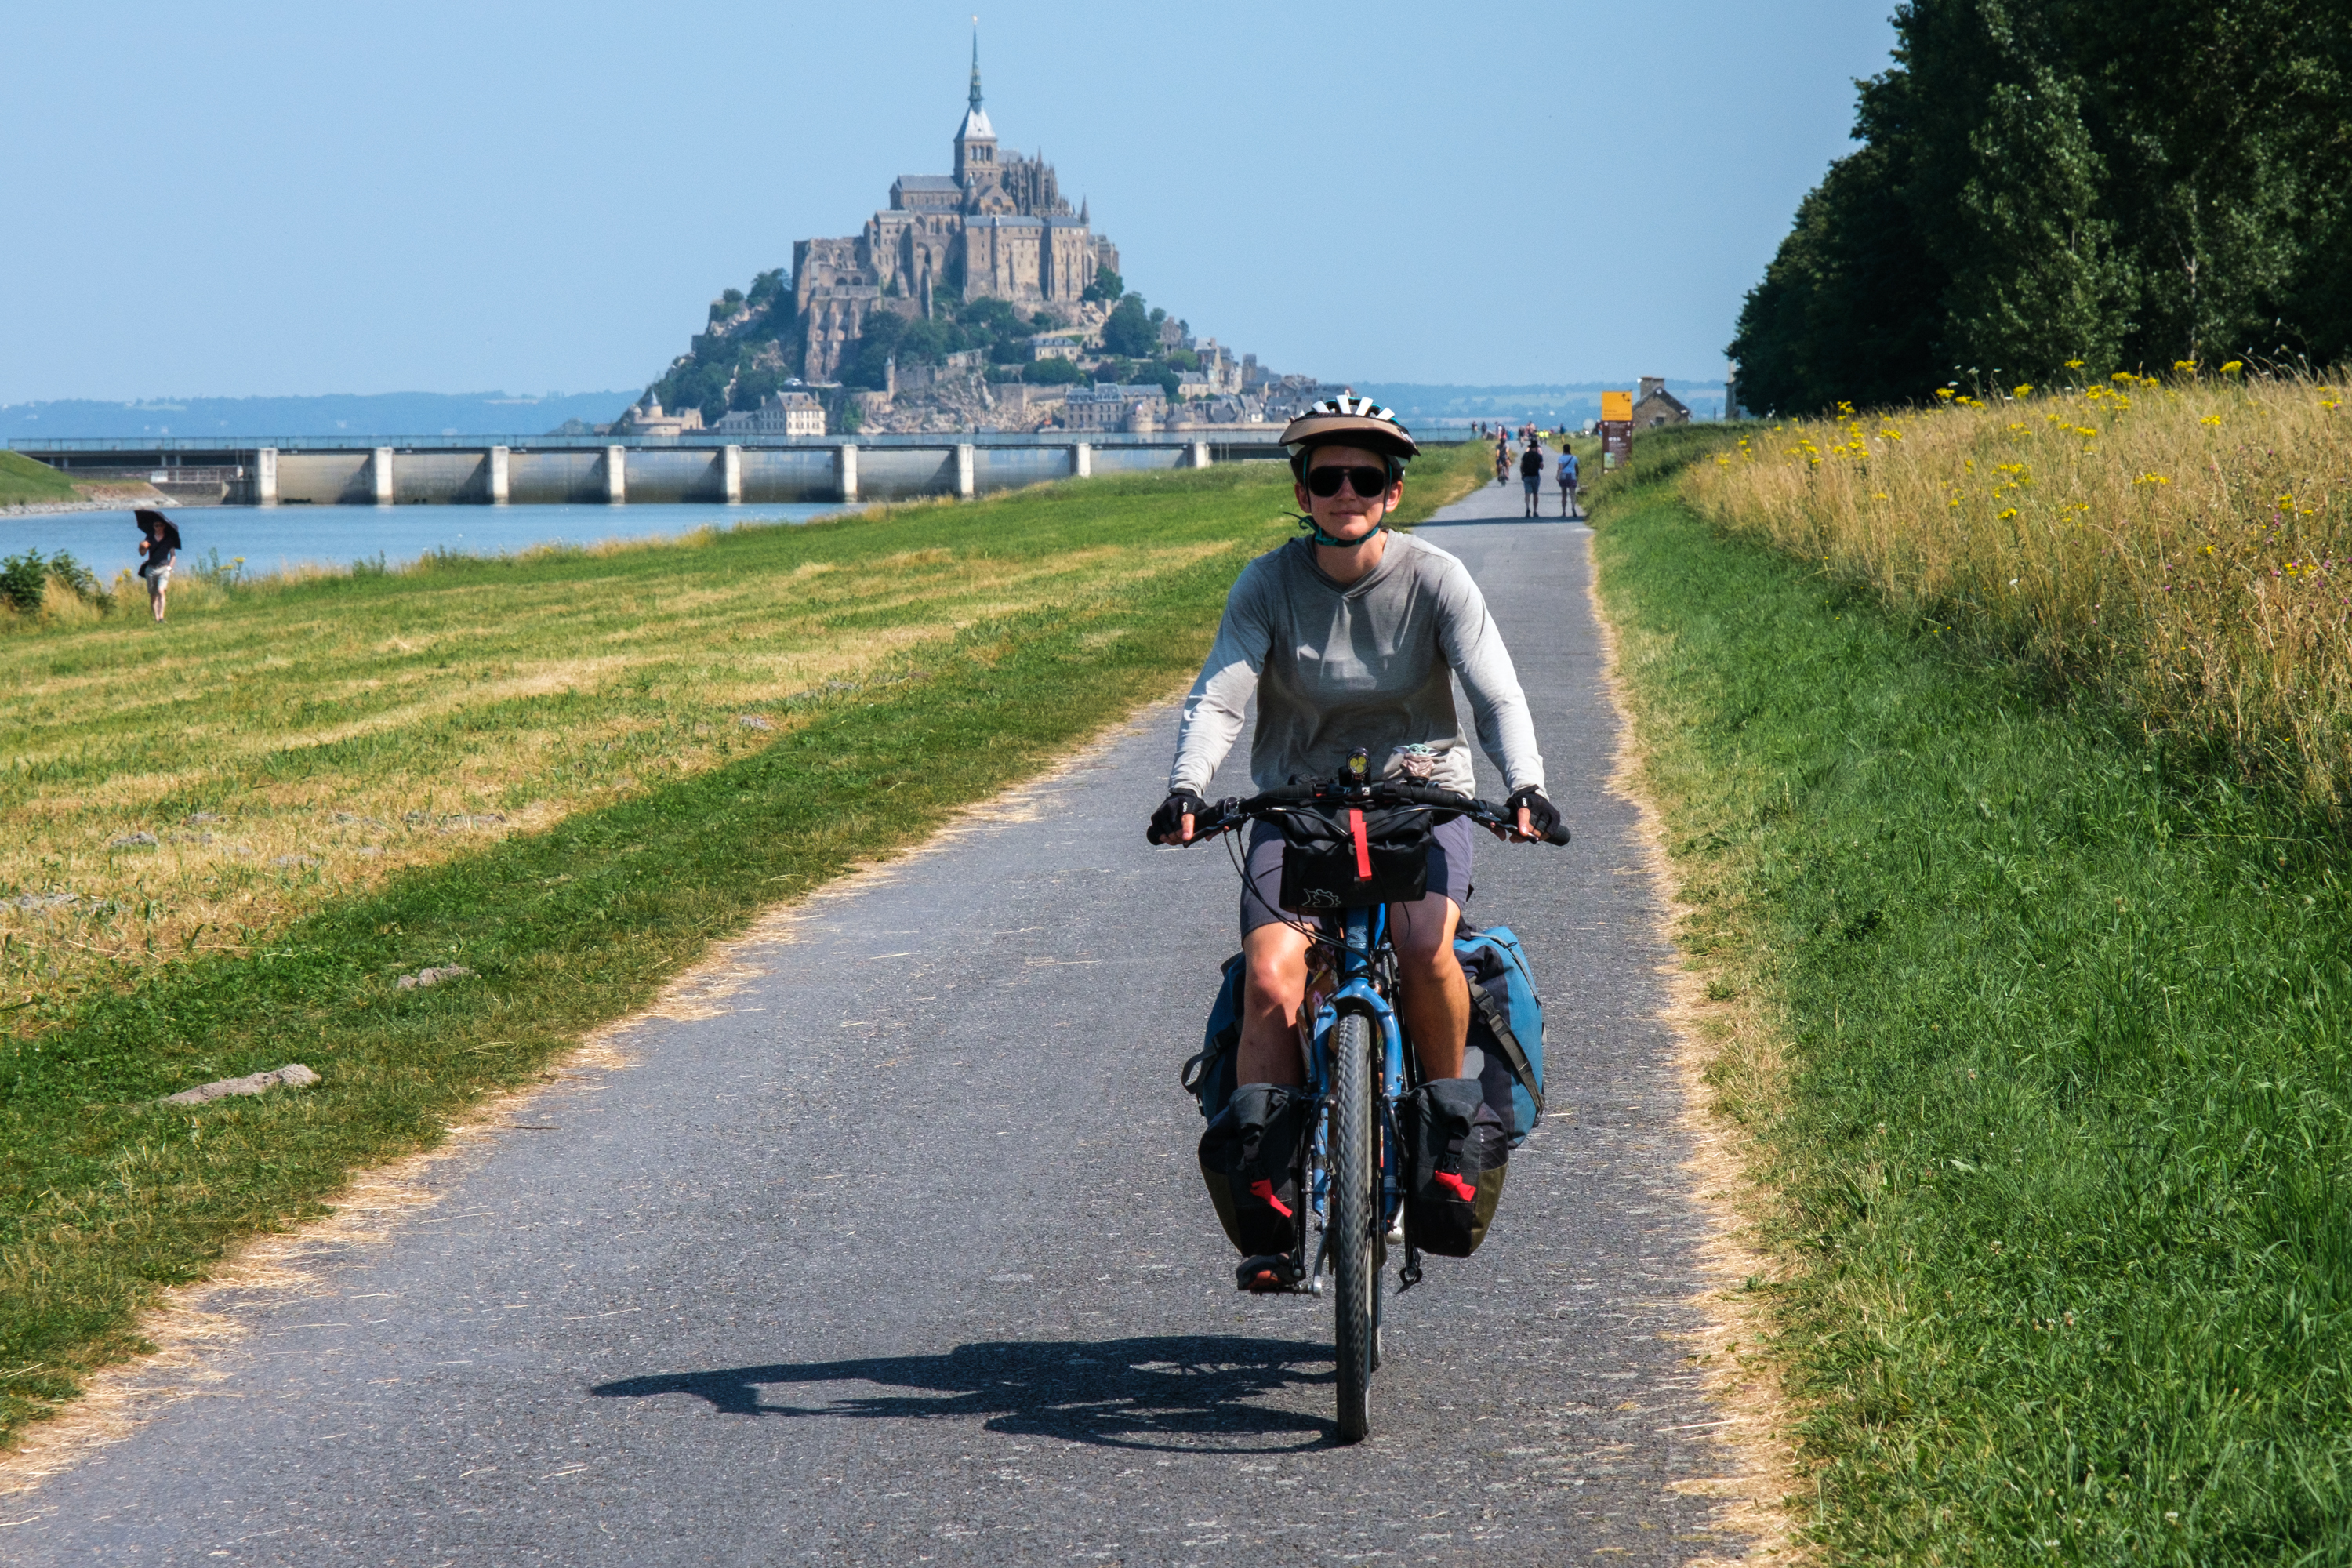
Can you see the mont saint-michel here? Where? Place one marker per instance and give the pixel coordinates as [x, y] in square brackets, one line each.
[976, 300]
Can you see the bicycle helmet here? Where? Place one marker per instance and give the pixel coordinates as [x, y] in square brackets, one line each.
[1348, 421]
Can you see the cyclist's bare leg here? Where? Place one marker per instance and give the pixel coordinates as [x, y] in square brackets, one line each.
[1274, 984]
[1434, 1000]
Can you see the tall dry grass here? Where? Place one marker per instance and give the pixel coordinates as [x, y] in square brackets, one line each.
[2184, 545]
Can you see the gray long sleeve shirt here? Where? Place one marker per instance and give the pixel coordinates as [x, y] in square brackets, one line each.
[1366, 665]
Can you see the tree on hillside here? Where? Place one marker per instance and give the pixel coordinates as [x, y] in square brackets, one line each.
[1131, 331]
[1106, 286]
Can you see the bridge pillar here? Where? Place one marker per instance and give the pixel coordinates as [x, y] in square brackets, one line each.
[264, 477]
[1082, 460]
[966, 471]
[731, 474]
[381, 463]
[617, 475]
[500, 471]
[844, 470]
[1200, 454]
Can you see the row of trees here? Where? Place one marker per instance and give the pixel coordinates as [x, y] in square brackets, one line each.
[2125, 183]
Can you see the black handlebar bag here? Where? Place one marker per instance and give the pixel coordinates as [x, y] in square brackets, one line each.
[1343, 858]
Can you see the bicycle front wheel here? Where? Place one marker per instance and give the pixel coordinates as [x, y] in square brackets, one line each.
[1355, 1213]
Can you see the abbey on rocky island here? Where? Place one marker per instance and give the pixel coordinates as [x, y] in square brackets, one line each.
[996, 228]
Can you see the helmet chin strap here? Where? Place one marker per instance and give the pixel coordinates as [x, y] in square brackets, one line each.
[1306, 520]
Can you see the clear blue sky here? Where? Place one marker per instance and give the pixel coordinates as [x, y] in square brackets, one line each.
[247, 199]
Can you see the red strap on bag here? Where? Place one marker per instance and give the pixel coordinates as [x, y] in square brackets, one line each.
[1460, 1188]
[1261, 1188]
[1363, 845]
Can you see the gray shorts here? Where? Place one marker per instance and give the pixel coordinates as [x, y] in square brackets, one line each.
[1449, 870]
[1533, 480]
[158, 579]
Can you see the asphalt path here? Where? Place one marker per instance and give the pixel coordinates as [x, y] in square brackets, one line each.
[900, 1253]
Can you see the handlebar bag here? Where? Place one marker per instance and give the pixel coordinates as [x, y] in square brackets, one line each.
[1337, 857]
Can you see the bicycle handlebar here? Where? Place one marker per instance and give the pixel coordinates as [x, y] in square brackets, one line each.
[1229, 814]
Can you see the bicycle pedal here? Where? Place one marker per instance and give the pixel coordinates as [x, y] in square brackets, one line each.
[1274, 1275]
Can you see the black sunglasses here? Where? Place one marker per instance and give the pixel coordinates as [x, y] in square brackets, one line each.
[1367, 482]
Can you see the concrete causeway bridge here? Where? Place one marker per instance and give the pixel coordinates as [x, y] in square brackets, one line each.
[500, 470]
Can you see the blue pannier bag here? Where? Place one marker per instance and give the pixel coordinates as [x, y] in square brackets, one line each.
[1505, 1026]
[1209, 1077]
[1505, 1030]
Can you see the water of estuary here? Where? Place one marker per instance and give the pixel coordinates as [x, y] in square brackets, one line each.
[272, 539]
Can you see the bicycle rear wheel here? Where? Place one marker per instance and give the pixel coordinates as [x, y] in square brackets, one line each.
[1355, 1211]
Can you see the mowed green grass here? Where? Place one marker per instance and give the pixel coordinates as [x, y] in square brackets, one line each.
[22, 480]
[105, 1196]
[2065, 1138]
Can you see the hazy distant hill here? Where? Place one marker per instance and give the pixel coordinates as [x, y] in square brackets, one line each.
[1570, 402]
[381, 414]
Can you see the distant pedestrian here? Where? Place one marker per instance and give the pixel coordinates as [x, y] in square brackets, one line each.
[159, 542]
[1531, 474]
[1568, 483]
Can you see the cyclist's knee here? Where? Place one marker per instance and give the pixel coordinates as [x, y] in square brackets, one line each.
[1277, 979]
[1423, 932]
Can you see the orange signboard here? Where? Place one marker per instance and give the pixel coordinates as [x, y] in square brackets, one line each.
[1617, 405]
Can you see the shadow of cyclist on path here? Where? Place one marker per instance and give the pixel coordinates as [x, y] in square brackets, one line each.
[1147, 1392]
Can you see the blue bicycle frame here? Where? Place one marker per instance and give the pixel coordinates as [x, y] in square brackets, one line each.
[1364, 932]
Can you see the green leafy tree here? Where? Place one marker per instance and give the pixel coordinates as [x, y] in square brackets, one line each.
[1129, 332]
[1850, 309]
[2070, 179]
[2042, 283]
[1108, 286]
[1054, 371]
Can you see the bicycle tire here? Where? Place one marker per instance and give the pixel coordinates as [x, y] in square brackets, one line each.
[1355, 1209]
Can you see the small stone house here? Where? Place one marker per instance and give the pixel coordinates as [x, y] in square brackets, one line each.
[1657, 406]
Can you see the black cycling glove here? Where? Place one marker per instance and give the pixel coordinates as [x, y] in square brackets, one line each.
[1543, 816]
[1168, 822]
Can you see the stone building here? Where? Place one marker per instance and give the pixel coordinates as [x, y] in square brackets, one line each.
[996, 228]
[1657, 406]
[1109, 406]
[779, 413]
[648, 419]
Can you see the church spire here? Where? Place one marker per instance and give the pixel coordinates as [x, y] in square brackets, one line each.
[975, 62]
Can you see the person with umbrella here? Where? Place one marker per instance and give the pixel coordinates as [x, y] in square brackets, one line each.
[159, 542]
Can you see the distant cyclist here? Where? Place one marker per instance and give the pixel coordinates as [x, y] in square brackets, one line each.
[1353, 636]
[1569, 477]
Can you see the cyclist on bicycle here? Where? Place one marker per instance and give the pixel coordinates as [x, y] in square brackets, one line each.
[1352, 637]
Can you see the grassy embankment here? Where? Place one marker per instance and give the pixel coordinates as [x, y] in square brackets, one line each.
[325, 762]
[2037, 1023]
[23, 480]
[2183, 548]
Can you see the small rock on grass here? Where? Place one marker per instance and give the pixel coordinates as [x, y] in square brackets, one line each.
[752, 722]
[143, 839]
[434, 976]
[294, 1075]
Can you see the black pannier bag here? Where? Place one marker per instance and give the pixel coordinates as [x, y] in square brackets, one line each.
[1339, 857]
[1454, 1152]
[1250, 1158]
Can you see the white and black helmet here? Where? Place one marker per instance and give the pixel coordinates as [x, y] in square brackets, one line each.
[1348, 421]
